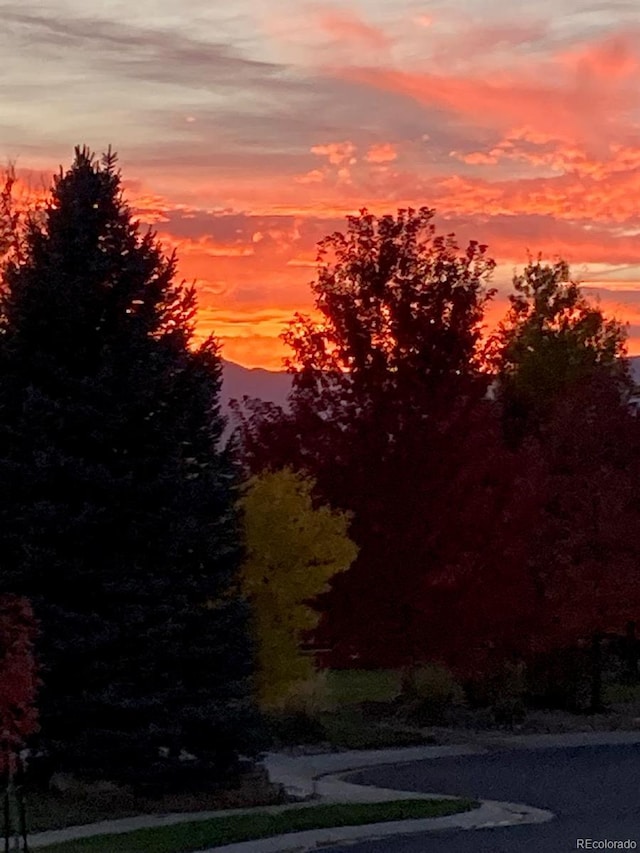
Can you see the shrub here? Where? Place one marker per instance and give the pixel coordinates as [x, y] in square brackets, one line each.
[560, 680]
[428, 692]
[310, 696]
[509, 698]
[503, 691]
[295, 729]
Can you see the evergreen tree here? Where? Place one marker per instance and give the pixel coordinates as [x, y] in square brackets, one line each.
[117, 516]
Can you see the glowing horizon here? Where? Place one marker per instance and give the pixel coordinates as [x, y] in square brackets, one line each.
[247, 134]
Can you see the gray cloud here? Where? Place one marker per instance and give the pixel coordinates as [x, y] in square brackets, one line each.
[137, 52]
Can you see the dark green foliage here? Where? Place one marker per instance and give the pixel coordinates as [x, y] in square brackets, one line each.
[552, 341]
[296, 728]
[561, 679]
[429, 694]
[116, 513]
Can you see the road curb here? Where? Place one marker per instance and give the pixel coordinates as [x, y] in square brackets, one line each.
[331, 788]
[490, 814]
[316, 779]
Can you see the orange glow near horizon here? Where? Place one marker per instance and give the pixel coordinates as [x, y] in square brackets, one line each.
[245, 138]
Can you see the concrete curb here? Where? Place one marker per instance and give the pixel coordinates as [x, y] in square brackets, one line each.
[489, 814]
[131, 824]
[318, 779]
[306, 775]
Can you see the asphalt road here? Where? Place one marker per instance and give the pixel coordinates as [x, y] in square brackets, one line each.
[594, 791]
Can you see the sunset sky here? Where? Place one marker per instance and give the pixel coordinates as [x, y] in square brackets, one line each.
[247, 130]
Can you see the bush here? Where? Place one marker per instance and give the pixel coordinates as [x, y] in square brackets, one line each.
[428, 692]
[504, 691]
[348, 729]
[295, 719]
[295, 729]
[310, 696]
[561, 680]
[509, 700]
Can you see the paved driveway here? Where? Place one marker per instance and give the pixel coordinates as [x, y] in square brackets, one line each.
[594, 792]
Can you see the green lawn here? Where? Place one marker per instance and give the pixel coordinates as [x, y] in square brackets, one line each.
[186, 837]
[348, 729]
[352, 686]
[346, 725]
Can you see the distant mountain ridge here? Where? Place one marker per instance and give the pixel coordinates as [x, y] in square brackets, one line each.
[273, 386]
[238, 381]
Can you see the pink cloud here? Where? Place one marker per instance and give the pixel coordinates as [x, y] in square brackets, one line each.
[572, 95]
[514, 142]
[315, 176]
[559, 112]
[345, 25]
[615, 57]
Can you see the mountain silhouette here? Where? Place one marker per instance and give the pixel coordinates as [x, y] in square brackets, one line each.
[273, 386]
[238, 381]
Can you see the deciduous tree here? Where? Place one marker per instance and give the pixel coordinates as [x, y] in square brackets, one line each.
[18, 710]
[386, 390]
[18, 677]
[552, 340]
[293, 550]
[564, 384]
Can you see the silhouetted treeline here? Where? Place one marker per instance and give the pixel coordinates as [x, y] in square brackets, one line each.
[492, 487]
[495, 484]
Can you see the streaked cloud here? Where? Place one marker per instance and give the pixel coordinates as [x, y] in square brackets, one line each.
[247, 131]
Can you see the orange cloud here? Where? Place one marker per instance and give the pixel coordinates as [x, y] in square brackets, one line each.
[315, 176]
[384, 152]
[541, 153]
[491, 104]
[514, 142]
[338, 153]
[476, 158]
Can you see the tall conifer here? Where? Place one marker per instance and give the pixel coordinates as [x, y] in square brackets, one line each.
[117, 511]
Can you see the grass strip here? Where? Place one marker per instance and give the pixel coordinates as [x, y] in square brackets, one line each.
[187, 837]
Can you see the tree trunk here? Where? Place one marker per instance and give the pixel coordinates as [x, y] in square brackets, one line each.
[596, 704]
[22, 805]
[7, 820]
[8, 829]
[631, 654]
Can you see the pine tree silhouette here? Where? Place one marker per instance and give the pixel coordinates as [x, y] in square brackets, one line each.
[117, 514]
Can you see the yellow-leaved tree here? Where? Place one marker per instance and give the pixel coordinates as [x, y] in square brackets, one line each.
[293, 550]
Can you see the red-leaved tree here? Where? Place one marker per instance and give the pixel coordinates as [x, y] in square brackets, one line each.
[387, 413]
[18, 679]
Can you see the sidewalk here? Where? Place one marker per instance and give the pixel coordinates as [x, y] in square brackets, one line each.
[318, 779]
